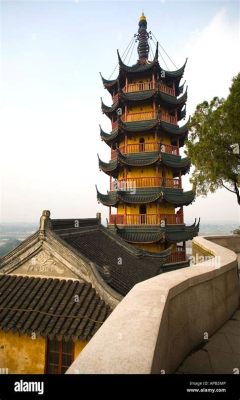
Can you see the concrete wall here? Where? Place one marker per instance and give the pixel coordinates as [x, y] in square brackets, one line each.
[231, 242]
[162, 319]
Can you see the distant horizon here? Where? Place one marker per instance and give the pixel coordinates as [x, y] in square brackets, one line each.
[220, 222]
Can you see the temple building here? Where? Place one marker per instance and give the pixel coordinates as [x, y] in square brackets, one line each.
[58, 287]
[61, 283]
[146, 167]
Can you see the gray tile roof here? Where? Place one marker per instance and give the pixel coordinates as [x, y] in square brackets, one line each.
[49, 308]
[120, 264]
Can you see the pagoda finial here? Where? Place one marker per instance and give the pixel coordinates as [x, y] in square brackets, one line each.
[142, 18]
[142, 37]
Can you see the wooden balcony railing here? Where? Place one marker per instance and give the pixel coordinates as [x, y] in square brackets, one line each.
[140, 116]
[167, 90]
[148, 115]
[145, 148]
[146, 219]
[141, 86]
[145, 116]
[152, 181]
[168, 118]
[177, 256]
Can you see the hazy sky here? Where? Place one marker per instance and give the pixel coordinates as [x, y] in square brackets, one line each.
[51, 55]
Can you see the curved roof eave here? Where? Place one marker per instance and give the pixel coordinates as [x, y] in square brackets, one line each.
[105, 198]
[177, 74]
[176, 197]
[107, 167]
[108, 137]
[138, 68]
[107, 81]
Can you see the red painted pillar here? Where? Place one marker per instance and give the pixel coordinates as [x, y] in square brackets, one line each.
[125, 144]
[153, 80]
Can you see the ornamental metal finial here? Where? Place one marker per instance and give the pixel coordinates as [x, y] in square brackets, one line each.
[142, 37]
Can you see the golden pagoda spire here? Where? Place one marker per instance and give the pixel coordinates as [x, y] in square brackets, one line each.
[142, 17]
[142, 37]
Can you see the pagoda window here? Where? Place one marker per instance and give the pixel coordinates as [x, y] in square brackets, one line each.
[141, 144]
[143, 209]
[143, 213]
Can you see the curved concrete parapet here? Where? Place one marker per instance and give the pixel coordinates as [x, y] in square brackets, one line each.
[162, 319]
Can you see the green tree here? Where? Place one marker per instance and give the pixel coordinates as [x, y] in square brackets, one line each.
[236, 231]
[214, 129]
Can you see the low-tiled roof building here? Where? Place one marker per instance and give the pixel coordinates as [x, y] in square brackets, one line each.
[84, 249]
[59, 285]
[52, 308]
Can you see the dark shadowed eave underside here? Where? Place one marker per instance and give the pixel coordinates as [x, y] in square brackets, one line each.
[171, 233]
[175, 162]
[171, 102]
[147, 195]
[139, 69]
[173, 131]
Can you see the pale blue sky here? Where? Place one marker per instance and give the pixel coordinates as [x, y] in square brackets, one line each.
[51, 55]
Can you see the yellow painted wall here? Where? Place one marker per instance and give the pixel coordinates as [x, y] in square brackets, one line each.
[143, 108]
[23, 355]
[152, 208]
[78, 347]
[166, 208]
[138, 108]
[137, 172]
[154, 247]
[133, 209]
[149, 171]
[149, 137]
[120, 209]
[144, 79]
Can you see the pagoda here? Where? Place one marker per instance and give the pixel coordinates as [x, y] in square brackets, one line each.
[146, 167]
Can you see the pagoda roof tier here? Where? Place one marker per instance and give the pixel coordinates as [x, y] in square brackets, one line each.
[140, 69]
[147, 195]
[170, 102]
[173, 131]
[179, 89]
[175, 162]
[170, 233]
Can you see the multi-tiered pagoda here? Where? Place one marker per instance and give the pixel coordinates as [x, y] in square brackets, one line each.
[146, 167]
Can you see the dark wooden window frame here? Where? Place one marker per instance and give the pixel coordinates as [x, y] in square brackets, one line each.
[60, 353]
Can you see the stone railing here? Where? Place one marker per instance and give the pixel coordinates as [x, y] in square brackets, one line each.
[163, 319]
